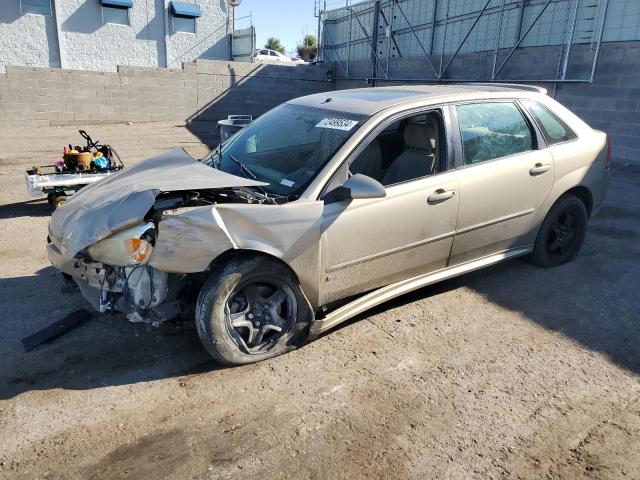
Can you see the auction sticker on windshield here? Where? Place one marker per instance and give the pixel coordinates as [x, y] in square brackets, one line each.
[337, 123]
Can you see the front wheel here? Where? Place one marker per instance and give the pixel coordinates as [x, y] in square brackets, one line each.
[562, 233]
[251, 309]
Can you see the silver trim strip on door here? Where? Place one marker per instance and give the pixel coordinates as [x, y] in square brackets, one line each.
[391, 251]
[511, 216]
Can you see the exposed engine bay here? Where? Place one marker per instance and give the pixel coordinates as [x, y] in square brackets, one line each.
[145, 293]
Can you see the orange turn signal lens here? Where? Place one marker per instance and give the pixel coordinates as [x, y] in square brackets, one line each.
[138, 249]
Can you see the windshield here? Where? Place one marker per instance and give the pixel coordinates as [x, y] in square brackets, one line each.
[286, 147]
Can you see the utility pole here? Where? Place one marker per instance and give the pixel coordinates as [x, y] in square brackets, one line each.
[319, 15]
[374, 42]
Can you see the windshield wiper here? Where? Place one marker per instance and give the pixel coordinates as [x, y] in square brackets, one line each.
[218, 152]
[210, 160]
[243, 168]
[245, 171]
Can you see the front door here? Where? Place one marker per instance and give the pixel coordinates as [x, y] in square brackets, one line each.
[370, 243]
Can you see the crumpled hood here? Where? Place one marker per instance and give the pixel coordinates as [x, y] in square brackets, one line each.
[123, 199]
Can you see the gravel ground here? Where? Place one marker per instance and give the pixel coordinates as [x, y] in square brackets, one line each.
[512, 372]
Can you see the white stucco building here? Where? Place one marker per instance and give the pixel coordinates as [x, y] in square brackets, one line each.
[101, 34]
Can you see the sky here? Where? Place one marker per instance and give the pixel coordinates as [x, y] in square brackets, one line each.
[289, 20]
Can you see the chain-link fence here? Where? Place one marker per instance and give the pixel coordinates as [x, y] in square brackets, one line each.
[536, 40]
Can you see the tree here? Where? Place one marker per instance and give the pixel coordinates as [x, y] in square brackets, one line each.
[273, 43]
[308, 49]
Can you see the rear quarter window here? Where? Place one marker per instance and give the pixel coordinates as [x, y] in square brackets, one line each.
[553, 129]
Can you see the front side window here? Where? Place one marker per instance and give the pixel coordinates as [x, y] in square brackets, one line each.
[184, 24]
[553, 129]
[39, 7]
[406, 150]
[492, 130]
[287, 146]
[116, 15]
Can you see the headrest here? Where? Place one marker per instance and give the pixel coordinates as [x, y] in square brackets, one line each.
[421, 137]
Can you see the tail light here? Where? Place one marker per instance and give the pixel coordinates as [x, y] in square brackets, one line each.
[608, 159]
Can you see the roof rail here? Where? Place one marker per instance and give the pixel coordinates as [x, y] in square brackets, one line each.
[516, 86]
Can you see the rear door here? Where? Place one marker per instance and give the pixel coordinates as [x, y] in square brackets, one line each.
[506, 174]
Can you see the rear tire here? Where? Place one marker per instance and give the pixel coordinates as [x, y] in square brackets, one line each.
[251, 309]
[561, 234]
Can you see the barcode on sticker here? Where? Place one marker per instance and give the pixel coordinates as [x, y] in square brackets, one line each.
[337, 123]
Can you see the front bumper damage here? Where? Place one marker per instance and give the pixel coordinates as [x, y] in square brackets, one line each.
[144, 293]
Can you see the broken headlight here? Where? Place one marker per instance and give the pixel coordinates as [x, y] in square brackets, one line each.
[126, 248]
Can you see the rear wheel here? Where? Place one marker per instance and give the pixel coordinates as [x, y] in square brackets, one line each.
[250, 310]
[562, 233]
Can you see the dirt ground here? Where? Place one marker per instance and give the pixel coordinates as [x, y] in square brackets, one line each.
[512, 372]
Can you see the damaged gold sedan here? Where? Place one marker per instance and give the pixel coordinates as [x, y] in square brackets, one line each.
[330, 204]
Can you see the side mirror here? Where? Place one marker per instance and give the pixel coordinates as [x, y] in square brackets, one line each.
[358, 187]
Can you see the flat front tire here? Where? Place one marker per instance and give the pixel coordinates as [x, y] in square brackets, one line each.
[251, 309]
[562, 233]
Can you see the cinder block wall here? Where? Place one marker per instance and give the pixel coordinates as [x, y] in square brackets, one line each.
[611, 103]
[204, 90]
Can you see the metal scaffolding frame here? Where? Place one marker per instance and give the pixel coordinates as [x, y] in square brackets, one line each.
[376, 25]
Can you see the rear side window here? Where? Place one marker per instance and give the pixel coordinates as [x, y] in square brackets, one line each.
[553, 129]
[492, 130]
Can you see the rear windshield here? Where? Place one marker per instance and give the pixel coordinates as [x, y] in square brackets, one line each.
[287, 146]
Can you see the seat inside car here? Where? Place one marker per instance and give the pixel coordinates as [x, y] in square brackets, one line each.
[419, 158]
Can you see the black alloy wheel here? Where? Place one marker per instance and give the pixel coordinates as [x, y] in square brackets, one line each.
[259, 313]
[562, 232]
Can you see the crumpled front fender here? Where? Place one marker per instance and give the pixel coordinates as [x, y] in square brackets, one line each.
[189, 239]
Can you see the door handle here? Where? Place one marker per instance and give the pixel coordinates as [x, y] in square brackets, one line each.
[539, 169]
[440, 195]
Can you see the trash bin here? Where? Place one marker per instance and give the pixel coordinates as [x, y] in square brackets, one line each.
[232, 124]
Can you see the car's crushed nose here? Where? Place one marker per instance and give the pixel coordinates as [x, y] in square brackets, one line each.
[126, 198]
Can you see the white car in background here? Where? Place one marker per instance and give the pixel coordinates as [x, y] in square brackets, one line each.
[270, 56]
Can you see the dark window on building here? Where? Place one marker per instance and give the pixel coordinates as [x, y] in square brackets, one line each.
[492, 130]
[117, 15]
[553, 129]
[39, 7]
[184, 24]
[183, 16]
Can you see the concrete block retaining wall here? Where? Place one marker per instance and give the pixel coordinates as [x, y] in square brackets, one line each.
[203, 90]
[209, 90]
